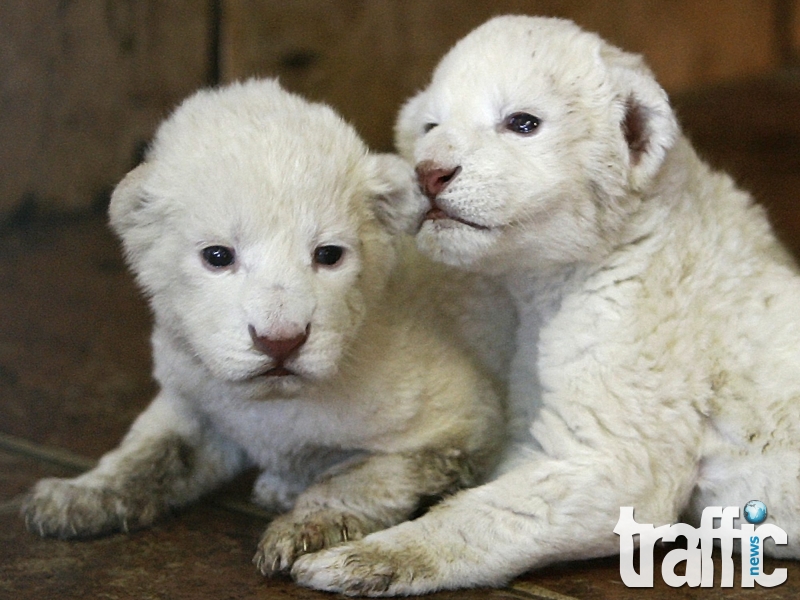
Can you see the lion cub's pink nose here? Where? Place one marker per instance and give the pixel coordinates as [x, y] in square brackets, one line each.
[278, 349]
[433, 178]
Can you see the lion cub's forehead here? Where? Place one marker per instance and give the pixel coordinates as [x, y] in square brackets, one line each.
[256, 129]
[512, 59]
[255, 153]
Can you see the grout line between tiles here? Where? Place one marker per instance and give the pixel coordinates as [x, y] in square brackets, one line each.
[55, 456]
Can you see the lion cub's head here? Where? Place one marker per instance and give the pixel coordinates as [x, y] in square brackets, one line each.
[533, 141]
[259, 228]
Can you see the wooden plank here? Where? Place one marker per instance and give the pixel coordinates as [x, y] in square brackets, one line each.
[691, 44]
[82, 86]
[83, 83]
[795, 31]
[366, 57]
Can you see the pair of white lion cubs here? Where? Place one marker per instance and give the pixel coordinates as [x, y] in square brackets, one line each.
[632, 305]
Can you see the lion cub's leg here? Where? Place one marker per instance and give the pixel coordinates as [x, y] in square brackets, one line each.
[545, 510]
[352, 501]
[166, 460]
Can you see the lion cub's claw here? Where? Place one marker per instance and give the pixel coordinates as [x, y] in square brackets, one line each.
[287, 539]
[59, 508]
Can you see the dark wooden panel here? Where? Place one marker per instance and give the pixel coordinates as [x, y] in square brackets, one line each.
[365, 57]
[794, 12]
[82, 83]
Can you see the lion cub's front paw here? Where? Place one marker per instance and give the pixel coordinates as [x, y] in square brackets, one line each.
[65, 509]
[289, 537]
[360, 569]
[398, 561]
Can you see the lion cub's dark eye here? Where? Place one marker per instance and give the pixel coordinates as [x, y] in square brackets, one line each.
[522, 123]
[218, 256]
[328, 255]
[428, 126]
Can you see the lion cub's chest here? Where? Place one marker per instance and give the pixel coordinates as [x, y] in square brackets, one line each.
[271, 430]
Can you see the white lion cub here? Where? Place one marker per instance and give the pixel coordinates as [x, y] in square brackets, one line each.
[658, 350]
[293, 332]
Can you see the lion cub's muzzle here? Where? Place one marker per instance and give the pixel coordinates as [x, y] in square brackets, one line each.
[278, 349]
[433, 179]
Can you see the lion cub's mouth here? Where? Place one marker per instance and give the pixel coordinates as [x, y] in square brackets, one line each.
[437, 213]
[275, 372]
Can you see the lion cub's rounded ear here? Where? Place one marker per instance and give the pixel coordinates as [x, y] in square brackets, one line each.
[128, 197]
[397, 201]
[647, 121]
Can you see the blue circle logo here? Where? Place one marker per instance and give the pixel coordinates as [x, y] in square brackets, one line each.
[755, 512]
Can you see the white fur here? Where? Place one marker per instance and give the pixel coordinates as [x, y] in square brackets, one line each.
[383, 405]
[658, 351]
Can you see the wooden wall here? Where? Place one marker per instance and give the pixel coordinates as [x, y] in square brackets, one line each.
[83, 83]
[793, 18]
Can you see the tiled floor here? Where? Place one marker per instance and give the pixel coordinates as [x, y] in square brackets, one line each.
[74, 371]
